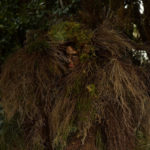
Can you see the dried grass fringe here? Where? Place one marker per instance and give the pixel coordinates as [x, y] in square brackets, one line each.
[117, 101]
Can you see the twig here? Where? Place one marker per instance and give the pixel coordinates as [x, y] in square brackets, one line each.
[61, 3]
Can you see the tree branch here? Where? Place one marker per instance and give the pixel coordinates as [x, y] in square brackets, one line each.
[61, 3]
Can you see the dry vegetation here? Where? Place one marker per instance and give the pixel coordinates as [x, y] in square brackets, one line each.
[103, 93]
[28, 85]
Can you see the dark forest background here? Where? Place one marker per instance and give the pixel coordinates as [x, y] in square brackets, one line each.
[19, 16]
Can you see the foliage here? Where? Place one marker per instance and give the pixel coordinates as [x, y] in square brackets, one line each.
[15, 19]
[108, 87]
[31, 79]
[104, 89]
[67, 8]
[99, 141]
[72, 32]
[60, 141]
[141, 140]
[11, 135]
